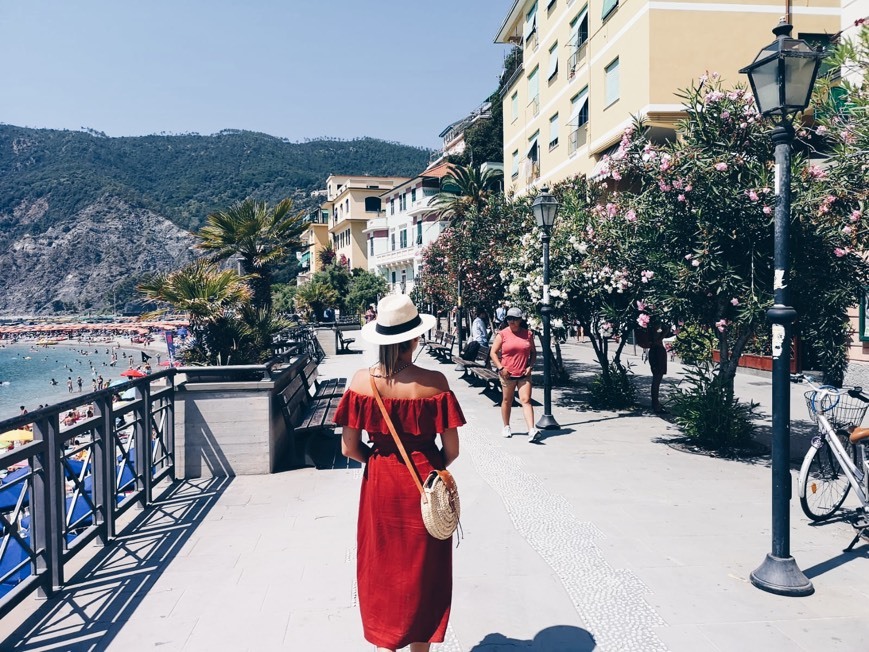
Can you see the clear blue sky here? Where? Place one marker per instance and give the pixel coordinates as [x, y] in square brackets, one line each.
[394, 69]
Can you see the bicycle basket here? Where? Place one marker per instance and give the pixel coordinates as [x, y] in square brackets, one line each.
[841, 410]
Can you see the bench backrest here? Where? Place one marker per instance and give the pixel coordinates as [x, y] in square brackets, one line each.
[439, 337]
[449, 341]
[483, 356]
[309, 373]
[295, 399]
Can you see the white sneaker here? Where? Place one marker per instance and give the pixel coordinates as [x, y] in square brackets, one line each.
[507, 432]
[533, 435]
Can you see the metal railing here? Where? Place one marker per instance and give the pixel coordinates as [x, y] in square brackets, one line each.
[72, 482]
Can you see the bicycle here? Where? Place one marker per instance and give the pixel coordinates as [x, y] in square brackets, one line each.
[837, 460]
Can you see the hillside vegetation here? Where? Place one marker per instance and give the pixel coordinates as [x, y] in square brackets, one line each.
[55, 184]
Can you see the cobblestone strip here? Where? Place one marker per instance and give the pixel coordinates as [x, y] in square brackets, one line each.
[608, 600]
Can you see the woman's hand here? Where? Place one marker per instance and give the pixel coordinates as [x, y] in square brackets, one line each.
[528, 371]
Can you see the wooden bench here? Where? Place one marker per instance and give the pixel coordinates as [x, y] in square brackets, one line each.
[343, 342]
[443, 351]
[436, 339]
[321, 388]
[305, 413]
[484, 371]
[479, 360]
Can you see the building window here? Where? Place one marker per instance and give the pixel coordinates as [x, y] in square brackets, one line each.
[392, 241]
[533, 157]
[612, 82]
[403, 238]
[534, 91]
[347, 205]
[413, 196]
[514, 106]
[552, 72]
[393, 277]
[392, 206]
[371, 246]
[530, 31]
[419, 232]
[372, 204]
[578, 39]
[553, 132]
[515, 169]
[550, 6]
[402, 202]
[609, 6]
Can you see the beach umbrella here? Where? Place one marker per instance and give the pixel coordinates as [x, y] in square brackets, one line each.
[133, 373]
[16, 435]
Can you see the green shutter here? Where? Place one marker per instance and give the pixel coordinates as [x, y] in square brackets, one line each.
[608, 6]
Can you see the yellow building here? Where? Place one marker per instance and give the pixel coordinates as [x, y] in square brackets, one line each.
[350, 202]
[588, 67]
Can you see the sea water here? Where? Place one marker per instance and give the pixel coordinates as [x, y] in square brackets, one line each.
[26, 372]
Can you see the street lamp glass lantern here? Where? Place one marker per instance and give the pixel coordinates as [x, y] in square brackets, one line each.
[783, 74]
[545, 208]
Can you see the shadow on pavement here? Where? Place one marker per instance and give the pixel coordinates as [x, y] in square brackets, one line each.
[102, 596]
[560, 638]
[840, 560]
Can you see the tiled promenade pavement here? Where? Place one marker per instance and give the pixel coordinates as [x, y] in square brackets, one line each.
[600, 537]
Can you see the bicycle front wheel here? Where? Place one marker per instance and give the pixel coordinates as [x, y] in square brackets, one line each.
[823, 486]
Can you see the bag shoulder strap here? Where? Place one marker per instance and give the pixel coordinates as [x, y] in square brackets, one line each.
[407, 460]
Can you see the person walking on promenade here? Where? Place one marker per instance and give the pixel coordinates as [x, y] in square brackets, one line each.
[500, 316]
[513, 355]
[404, 575]
[657, 363]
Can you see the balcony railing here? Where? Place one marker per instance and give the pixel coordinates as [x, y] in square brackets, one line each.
[534, 104]
[577, 139]
[72, 482]
[575, 60]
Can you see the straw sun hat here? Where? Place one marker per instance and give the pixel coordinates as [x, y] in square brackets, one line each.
[397, 321]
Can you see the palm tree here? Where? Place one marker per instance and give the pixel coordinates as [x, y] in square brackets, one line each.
[210, 297]
[258, 235]
[464, 188]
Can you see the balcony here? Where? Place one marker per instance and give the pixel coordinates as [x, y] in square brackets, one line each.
[576, 59]
[534, 106]
[578, 138]
[396, 257]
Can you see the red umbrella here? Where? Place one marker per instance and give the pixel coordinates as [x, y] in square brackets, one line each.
[166, 363]
[133, 373]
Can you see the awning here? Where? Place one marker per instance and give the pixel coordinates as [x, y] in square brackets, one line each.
[602, 167]
[608, 7]
[532, 150]
[574, 115]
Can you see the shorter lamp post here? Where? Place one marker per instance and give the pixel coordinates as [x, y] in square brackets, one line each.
[239, 264]
[545, 208]
[782, 76]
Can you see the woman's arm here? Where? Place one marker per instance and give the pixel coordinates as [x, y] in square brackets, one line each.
[532, 355]
[495, 354]
[450, 442]
[352, 446]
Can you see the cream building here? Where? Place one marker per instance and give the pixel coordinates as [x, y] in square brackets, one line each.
[589, 66]
[351, 201]
[409, 222]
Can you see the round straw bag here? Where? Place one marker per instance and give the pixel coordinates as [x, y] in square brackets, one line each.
[440, 505]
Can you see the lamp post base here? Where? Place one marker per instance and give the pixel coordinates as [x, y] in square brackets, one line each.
[547, 422]
[782, 576]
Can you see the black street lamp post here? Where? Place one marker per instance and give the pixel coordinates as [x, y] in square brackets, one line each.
[545, 208]
[782, 77]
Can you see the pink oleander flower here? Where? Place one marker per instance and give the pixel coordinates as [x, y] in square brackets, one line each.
[721, 324]
[641, 305]
[646, 274]
[703, 79]
[677, 184]
[715, 75]
[767, 210]
[663, 185]
[616, 176]
[695, 263]
[611, 210]
[688, 188]
[821, 130]
[721, 167]
[689, 256]
[631, 215]
[847, 230]
[725, 115]
[643, 320]
[681, 197]
[817, 173]
[734, 301]
[743, 125]
[752, 195]
[855, 216]
[840, 253]
[848, 137]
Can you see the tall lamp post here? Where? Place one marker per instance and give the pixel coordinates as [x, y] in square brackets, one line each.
[545, 208]
[782, 76]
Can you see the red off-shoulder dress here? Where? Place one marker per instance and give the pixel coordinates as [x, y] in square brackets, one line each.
[404, 575]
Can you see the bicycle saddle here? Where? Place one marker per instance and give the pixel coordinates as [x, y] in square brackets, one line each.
[858, 435]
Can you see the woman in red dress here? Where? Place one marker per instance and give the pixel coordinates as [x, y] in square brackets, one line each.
[404, 575]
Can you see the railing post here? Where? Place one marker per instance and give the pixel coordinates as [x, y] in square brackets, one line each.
[169, 428]
[105, 491]
[142, 436]
[47, 512]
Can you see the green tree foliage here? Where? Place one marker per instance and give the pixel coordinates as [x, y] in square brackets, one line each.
[283, 297]
[259, 235]
[315, 296]
[465, 189]
[365, 289]
[184, 177]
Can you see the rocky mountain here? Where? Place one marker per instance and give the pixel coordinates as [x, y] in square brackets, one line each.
[83, 217]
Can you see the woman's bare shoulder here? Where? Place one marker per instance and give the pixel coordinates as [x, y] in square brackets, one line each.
[433, 381]
[360, 383]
